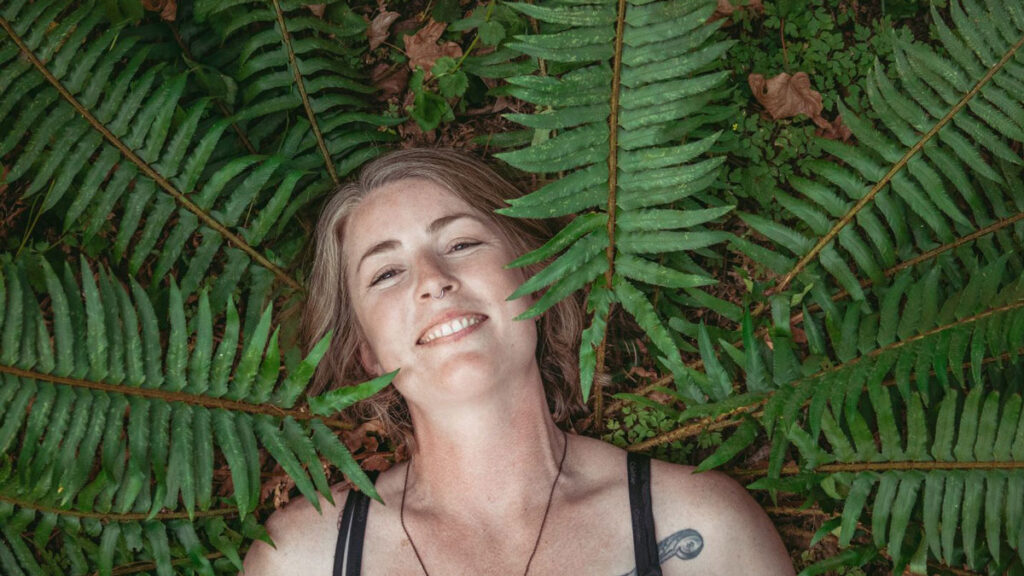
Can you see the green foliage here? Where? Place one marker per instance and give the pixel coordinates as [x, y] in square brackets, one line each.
[855, 309]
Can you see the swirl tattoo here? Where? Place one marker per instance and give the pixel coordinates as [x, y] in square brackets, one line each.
[684, 544]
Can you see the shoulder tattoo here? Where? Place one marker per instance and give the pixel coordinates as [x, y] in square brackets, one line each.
[684, 544]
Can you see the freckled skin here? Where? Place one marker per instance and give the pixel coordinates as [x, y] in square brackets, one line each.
[485, 439]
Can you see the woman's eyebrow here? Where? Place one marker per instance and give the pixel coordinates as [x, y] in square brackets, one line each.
[443, 221]
[434, 227]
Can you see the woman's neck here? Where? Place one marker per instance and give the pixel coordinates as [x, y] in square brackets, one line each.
[495, 458]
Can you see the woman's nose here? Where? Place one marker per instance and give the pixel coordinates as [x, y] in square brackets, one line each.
[436, 281]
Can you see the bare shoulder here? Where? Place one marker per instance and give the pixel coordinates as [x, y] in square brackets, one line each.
[304, 539]
[711, 519]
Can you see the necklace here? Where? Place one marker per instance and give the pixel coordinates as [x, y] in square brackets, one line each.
[547, 508]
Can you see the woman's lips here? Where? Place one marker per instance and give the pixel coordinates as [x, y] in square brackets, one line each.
[455, 326]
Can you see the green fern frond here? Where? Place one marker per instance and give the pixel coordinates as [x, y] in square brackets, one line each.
[80, 543]
[82, 384]
[918, 178]
[624, 120]
[303, 91]
[951, 482]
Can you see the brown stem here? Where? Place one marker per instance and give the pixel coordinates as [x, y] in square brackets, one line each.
[109, 517]
[286, 39]
[150, 566]
[613, 164]
[146, 169]
[167, 396]
[728, 420]
[793, 469]
[870, 196]
[782, 39]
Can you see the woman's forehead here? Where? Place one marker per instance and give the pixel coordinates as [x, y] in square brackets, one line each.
[409, 201]
[391, 211]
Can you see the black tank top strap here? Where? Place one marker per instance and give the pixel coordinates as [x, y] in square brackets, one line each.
[645, 545]
[348, 554]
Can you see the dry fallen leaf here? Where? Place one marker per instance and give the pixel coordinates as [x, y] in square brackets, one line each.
[279, 484]
[725, 9]
[317, 9]
[376, 462]
[390, 81]
[379, 28]
[786, 96]
[423, 50]
[835, 130]
[168, 9]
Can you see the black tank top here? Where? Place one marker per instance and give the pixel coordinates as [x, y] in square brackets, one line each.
[348, 555]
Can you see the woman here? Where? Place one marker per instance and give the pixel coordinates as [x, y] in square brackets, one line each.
[410, 273]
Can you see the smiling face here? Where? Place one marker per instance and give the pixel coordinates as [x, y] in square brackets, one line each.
[405, 243]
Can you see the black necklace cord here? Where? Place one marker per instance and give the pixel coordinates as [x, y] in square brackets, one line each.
[547, 509]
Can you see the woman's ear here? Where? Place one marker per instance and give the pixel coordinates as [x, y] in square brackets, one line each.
[369, 360]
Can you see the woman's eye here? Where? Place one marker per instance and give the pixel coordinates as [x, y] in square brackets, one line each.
[385, 275]
[459, 246]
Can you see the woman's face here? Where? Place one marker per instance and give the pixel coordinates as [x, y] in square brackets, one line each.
[404, 244]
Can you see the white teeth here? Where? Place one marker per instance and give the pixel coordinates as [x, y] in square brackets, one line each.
[449, 328]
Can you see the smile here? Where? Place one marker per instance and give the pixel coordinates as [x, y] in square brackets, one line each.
[453, 326]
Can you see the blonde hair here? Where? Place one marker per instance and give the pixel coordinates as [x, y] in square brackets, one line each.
[327, 306]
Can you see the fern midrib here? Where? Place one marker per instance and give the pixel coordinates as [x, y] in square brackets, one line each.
[852, 213]
[111, 517]
[146, 169]
[903, 466]
[613, 183]
[728, 420]
[183, 397]
[931, 254]
[136, 567]
[286, 39]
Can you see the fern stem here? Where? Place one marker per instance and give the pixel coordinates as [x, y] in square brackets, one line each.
[935, 252]
[149, 566]
[793, 469]
[146, 169]
[613, 183]
[707, 424]
[108, 517]
[286, 39]
[849, 216]
[729, 420]
[185, 398]
[802, 512]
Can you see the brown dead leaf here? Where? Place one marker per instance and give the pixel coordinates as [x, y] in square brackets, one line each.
[423, 50]
[168, 9]
[379, 28]
[391, 81]
[279, 484]
[786, 96]
[835, 130]
[725, 9]
[317, 9]
[360, 438]
[376, 462]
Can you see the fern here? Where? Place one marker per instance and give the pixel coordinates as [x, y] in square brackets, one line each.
[112, 129]
[882, 366]
[636, 75]
[150, 413]
[904, 185]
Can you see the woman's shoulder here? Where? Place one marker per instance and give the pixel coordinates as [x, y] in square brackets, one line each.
[710, 516]
[303, 538]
